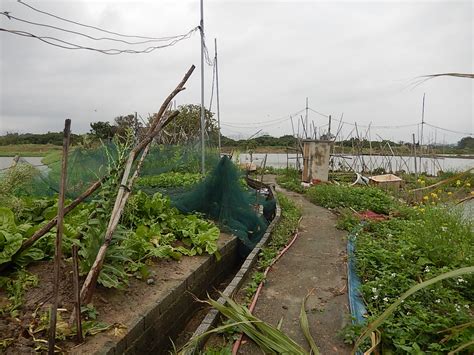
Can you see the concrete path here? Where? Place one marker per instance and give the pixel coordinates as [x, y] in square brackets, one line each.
[316, 261]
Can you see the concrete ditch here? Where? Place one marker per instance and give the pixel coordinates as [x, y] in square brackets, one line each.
[150, 330]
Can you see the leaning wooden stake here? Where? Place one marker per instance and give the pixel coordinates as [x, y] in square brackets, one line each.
[157, 124]
[77, 293]
[59, 234]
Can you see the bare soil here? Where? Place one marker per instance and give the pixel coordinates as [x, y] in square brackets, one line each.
[115, 307]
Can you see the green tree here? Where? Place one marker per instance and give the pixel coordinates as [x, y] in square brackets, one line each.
[123, 123]
[186, 127]
[102, 130]
[466, 143]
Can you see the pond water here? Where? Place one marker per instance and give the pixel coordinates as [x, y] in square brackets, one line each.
[348, 162]
[351, 162]
[6, 162]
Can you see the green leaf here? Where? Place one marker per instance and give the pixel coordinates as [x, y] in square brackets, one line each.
[29, 255]
[7, 220]
[388, 312]
[11, 244]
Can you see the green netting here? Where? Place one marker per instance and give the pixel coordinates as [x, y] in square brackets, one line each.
[222, 197]
[173, 171]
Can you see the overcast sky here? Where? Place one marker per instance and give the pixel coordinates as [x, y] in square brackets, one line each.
[352, 57]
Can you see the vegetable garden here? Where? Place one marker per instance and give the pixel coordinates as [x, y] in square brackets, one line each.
[171, 212]
[407, 244]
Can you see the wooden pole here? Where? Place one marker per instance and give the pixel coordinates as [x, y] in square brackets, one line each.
[124, 191]
[59, 234]
[77, 293]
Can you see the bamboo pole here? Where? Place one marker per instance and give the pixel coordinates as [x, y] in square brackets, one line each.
[59, 234]
[414, 155]
[124, 190]
[77, 293]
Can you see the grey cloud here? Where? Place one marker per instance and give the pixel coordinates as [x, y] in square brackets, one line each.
[353, 57]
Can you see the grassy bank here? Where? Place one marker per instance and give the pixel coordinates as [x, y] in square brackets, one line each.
[28, 150]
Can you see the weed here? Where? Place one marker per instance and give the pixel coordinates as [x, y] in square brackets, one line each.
[15, 287]
[396, 254]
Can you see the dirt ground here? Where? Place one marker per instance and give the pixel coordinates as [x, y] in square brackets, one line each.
[315, 263]
[115, 307]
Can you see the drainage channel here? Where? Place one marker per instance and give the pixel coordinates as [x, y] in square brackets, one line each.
[175, 315]
[211, 318]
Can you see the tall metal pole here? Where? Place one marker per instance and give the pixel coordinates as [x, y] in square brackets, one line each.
[203, 127]
[422, 120]
[306, 119]
[217, 93]
[422, 126]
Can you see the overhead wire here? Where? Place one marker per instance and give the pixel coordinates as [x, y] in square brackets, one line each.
[206, 50]
[11, 17]
[92, 27]
[449, 130]
[112, 51]
[258, 124]
[213, 84]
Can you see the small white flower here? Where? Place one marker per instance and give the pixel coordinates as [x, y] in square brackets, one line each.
[427, 268]
[375, 297]
[466, 306]
[393, 274]
[444, 229]
[438, 301]
[389, 235]
[460, 280]
[385, 299]
[457, 307]
[374, 290]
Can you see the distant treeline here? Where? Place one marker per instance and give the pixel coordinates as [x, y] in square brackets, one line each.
[54, 138]
[262, 141]
[104, 130]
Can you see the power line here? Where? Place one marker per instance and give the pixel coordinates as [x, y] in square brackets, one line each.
[213, 82]
[93, 27]
[258, 124]
[113, 51]
[206, 51]
[319, 113]
[11, 17]
[449, 130]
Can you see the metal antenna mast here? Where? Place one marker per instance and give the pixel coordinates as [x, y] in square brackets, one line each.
[203, 145]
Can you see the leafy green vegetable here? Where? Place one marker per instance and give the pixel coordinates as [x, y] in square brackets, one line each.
[10, 236]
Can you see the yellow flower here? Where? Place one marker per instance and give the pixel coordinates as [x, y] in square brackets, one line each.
[425, 198]
[422, 182]
[472, 192]
[434, 195]
[468, 184]
[433, 203]
[450, 193]
[458, 182]
[422, 210]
